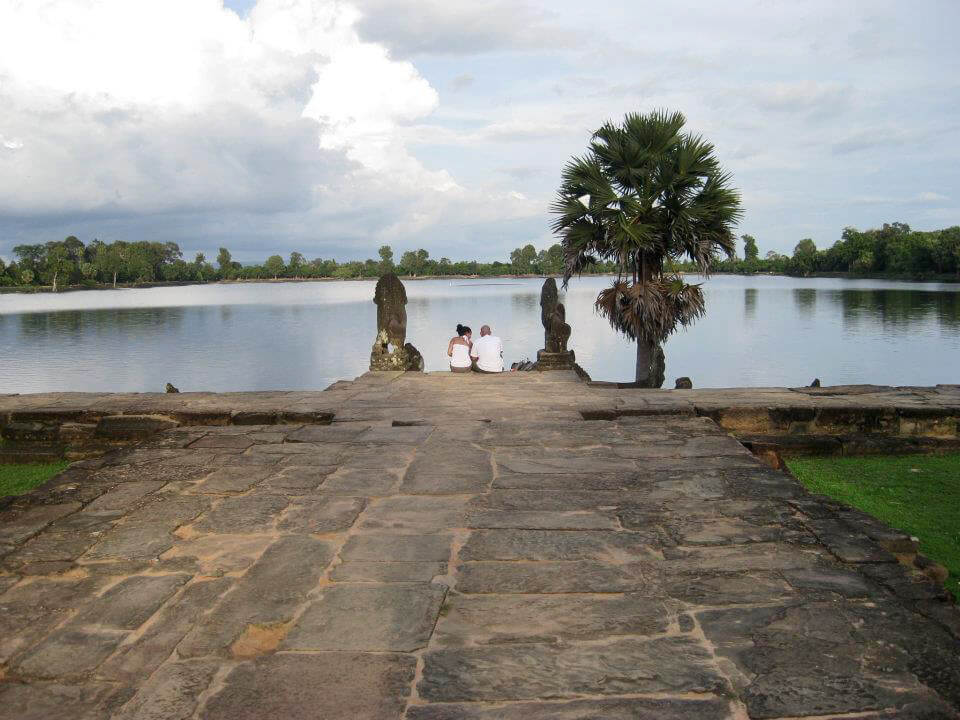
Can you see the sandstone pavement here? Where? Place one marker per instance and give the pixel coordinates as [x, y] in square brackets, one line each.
[449, 547]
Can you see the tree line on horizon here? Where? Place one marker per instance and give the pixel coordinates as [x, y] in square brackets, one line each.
[892, 249]
[71, 263]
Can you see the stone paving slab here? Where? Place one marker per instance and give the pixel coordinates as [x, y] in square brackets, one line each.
[417, 560]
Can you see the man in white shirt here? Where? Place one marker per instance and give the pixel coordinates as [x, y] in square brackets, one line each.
[488, 352]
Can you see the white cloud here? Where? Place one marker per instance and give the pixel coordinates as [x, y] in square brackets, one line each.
[132, 107]
[458, 27]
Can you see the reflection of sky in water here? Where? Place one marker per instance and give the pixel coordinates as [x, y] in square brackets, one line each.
[758, 331]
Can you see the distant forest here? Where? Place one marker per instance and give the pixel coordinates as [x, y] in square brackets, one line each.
[893, 249]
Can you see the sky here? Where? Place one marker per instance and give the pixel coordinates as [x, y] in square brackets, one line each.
[332, 127]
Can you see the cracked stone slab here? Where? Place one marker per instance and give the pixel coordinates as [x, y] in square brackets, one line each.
[569, 463]
[387, 572]
[243, 514]
[414, 515]
[169, 508]
[723, 588]
[268, 593]
[844, 582]
[222, 441]
[444, 468]
[612, 709]
[346, 686]
[361, 482]
[132, 541]
[171, 693]
[723, 531]
[581, 576]
[562, 501]
[321, 514]
[615, 547]
[69, 653]
[511, 672]
[42, 701]
[481, 519]
[234, 479]
[374, 457]
[15, 527]
[499, 619]
[33, 607]
[364, 617]
[848, 544]
[340, 433]
[213, 554]
[756, 556]
[297, 478]
[122, 498]
[411, 435]
[397, 548]
[137, 660]
[131, 602]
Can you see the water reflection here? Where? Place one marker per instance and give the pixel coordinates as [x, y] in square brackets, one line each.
[749, 303]
[900, 309]
[805, 300]
[307, 335]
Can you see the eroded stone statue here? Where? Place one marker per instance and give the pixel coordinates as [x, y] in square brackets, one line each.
[556, 331]
[390, 350]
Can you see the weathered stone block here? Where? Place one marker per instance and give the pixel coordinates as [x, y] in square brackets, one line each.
[321, 514]
[579, 576]
[129, 604]
[397, 548]
[505, 619]
[269, 593]
[17, 525]
[171, 693]
[132, 541]
[554, 545]
[69, 653]
[387, 572]
[132, 427]
[372, 618]
[243, 515]
[340, 686]
[671, 664]
[613, 709]
[30, 432]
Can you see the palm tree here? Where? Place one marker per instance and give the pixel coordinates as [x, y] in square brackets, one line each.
[644, 195]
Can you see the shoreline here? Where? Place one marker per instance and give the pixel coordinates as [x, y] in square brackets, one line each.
[35, 289]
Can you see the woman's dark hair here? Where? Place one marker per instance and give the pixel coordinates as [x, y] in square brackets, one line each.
[463, 330]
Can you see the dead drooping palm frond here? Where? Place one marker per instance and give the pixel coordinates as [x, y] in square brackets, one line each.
[650, 311]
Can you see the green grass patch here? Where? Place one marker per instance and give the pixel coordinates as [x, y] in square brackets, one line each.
[918, 494]
[18, 479]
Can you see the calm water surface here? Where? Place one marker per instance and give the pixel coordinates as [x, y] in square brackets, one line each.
[758, 331]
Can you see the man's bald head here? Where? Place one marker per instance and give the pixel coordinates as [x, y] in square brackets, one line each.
[485, 330]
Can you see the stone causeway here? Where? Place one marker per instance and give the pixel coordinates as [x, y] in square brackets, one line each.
[438, 546]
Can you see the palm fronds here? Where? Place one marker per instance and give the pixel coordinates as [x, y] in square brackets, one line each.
[646, 193]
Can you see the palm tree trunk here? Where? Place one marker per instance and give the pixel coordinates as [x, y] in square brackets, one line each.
[650, 365]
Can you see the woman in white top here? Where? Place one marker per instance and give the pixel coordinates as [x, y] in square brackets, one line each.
[459, 350]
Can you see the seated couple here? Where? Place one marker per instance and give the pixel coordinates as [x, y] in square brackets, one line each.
[483, 356]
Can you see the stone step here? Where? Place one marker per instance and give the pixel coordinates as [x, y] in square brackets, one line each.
[18, 451]
[29, 432]
[77, 433]
[132, 427]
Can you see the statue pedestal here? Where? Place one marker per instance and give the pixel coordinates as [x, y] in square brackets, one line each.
[555, 361]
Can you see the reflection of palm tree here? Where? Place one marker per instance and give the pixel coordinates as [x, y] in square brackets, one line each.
[646, 193]
[750, 303]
